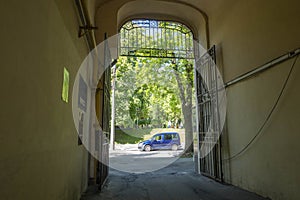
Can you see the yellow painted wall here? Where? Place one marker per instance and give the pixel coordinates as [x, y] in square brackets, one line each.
[39, 155]
[249, 34]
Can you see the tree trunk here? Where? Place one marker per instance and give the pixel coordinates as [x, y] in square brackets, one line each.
[188, 119]
[185, 93]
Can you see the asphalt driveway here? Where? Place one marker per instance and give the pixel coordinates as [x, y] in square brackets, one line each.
[174, 178]
[127, 158]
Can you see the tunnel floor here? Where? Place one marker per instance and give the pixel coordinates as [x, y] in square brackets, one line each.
[176, 181]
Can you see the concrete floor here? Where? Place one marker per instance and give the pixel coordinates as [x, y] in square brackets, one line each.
[176, 181]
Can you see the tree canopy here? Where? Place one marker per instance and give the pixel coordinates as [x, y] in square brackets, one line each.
[146, 93]
[155, 76]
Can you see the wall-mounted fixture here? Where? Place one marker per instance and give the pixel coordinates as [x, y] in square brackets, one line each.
[85, 29]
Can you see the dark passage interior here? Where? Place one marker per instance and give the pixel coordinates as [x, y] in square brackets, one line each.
[53, 109]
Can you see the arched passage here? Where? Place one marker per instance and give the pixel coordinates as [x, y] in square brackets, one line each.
[111, 15]
[161, 59]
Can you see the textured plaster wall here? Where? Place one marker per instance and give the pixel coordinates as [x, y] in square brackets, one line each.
[249, 34]
[39, 155]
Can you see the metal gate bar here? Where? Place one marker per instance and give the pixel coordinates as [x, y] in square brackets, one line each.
[209, 121]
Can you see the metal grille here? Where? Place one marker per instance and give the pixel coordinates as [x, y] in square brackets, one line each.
[209, 120]
[152, 38]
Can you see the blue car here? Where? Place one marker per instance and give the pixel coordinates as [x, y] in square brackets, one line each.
[167, 140]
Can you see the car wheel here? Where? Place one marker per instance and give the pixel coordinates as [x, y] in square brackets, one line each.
[147, 148]
[174, 147]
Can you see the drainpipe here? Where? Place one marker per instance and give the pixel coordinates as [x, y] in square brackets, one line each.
[86, 29]
[264, 67]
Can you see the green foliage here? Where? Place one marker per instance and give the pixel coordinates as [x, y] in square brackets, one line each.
[139, 106]
[146, 92]
[153, 91]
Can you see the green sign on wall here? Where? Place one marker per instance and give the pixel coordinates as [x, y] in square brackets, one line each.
[65, 89]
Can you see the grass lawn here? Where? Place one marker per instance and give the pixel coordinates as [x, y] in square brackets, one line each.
[134, 136]
[130, 136]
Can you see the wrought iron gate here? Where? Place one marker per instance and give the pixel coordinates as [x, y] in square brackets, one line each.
[102, 143]
[102, 167]
[209, 145]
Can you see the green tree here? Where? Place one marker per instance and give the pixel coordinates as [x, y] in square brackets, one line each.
[139, 106]
[160, 89]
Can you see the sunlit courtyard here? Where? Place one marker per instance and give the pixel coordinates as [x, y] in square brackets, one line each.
[127, 157]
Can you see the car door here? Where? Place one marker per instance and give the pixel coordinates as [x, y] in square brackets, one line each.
[167, 141]
[157, 142]
[175, 138]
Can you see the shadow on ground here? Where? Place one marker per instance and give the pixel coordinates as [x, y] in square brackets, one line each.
[176, 181]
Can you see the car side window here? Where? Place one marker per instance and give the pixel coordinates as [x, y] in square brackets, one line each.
[174, 136]
[168, 137]
[158, 137]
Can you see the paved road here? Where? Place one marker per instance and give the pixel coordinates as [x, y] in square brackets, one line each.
[174, 182]
[128, 158]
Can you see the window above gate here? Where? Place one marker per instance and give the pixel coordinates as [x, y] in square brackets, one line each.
[152, 38]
